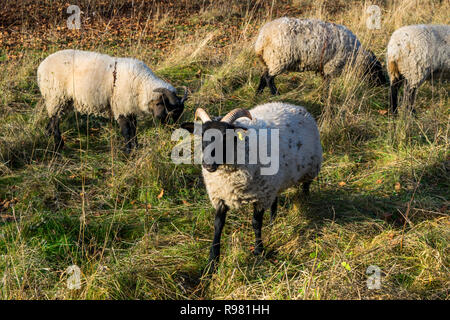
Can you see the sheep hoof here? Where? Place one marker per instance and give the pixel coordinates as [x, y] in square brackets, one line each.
[258, 250]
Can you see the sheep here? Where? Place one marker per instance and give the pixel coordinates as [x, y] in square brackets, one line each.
[231, 185]
[414, 54]
[289, 44]
[98, 84]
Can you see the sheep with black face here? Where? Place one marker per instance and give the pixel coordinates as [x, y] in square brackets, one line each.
[97, 84]
[231, 185]
[290, 44]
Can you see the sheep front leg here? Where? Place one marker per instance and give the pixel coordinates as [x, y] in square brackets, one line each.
[271, 83]
[257, 225]
[53, 129]
[393, 94]
[219, 222]
[267, 80]
[273, 210]
[326, 90]
[262, 82]
[128, 129]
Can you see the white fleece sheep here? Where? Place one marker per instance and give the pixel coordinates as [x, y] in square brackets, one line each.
[414, 54]
[300, 158]
[290, 44]
[98, 84]
[235, 185]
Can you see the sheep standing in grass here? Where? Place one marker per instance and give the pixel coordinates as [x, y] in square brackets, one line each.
[289, 44]
[98, 84]
[231, 185]
[414, 54]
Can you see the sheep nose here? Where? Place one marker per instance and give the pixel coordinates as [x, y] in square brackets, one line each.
[210, 167]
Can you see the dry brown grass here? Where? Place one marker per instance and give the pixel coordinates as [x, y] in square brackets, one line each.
[381, 199]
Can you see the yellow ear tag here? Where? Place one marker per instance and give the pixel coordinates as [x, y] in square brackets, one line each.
[240, 136]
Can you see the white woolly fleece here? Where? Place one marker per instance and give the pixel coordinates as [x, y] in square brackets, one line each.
[97, 84]
[417, 52]
[290, 44]
[300, 156]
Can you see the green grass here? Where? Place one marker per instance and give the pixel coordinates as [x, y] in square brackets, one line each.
[381, 197]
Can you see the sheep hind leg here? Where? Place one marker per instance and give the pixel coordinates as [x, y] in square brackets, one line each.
[219, 222]
[273, 210]
[257, 226]
[53, 129]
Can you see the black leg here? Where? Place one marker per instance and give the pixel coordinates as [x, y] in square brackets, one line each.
[262, 83]
[273, 210]
[306, 186]
[394, 88]
[219, 222]
[271, 84]
[257, 225]
[53, 129]
[126, 128]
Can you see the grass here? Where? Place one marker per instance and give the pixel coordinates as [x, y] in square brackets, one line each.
[140, 227]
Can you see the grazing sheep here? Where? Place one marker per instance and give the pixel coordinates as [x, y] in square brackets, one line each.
[232, 185]
[101, 85]
[289, 44]
[414, 54]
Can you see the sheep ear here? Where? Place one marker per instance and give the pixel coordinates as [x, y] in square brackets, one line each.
[168, 94]
[189, 126]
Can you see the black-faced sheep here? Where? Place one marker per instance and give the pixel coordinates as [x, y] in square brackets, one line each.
[97, 84]
[231, 185]
[289, 44]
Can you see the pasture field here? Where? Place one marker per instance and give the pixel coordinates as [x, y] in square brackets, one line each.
[140, 227]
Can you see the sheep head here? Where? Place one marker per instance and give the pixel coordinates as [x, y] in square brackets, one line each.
[218, 132]
[374, 70]
[169, 106]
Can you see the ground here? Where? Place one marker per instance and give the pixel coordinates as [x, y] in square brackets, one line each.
[140, 227]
